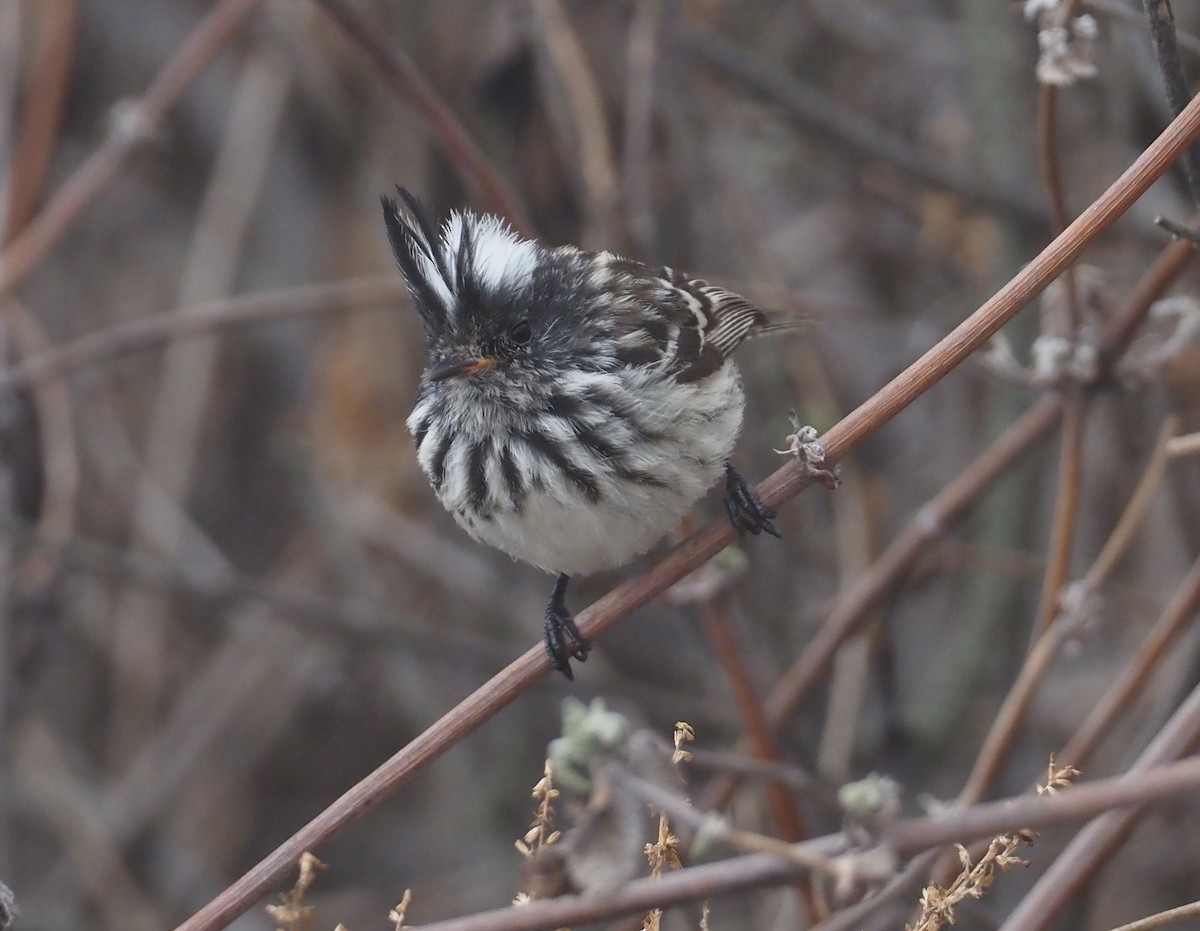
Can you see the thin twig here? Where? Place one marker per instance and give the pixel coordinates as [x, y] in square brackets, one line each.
[1131, 518]
[1119, 696]
[1003, 729]
[849, 678]
[503, 688]
[1184, 445]
[1095, 843]
[1068, 494]
[1162, 919]
[811, 108]
[1070, 457]
[762, 742]
[949, 506]
[137, 120]
[196, 319]
[582, 122]
[400, 74]
[754, 768]
[1166, 53]
[1178, 230]
[45, 95]
[641, 62]
[1048, 161]
[1136, 20]
[907, 838]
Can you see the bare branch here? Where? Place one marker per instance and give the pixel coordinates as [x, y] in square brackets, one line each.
[1166, 53]
[777, 489]
[907, 838]
[398, 70]
[136, 120]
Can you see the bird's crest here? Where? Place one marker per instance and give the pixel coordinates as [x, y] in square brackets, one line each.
[475, 254]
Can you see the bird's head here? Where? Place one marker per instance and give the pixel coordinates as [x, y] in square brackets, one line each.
[493, 305]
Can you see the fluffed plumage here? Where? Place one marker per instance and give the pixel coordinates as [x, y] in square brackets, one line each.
[577, 404]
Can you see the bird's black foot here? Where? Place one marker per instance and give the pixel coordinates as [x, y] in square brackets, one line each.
[746, 512]
[564, 642]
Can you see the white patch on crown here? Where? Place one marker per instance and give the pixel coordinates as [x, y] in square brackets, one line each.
[502, 259]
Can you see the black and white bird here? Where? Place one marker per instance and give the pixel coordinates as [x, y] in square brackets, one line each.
[576, 404]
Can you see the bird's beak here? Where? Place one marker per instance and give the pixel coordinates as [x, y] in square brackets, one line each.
[455, 366]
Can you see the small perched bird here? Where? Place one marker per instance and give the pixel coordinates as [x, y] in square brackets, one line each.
[576, 404]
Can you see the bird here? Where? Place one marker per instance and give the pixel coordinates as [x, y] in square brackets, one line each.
[576, 404]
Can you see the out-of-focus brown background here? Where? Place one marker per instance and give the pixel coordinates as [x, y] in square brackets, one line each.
[228, 591]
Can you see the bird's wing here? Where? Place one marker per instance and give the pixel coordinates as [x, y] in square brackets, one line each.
[712, 324]
[691, 325]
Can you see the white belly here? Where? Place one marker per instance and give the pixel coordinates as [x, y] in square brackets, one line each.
[556, 525]
[578, 536]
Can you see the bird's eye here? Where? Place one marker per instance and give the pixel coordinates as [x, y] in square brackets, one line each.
[521, 333]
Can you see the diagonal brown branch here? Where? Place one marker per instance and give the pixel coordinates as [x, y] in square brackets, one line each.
[503, 688]
[949, 505]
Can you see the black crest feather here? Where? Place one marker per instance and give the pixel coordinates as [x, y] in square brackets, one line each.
[413, 238]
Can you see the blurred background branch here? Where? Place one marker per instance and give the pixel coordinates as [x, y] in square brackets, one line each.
[227, 594]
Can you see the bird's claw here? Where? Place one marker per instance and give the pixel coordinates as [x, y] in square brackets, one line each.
[746, 512]
[563, 640]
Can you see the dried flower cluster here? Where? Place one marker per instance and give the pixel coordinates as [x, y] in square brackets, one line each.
[684, 734]
[397, 915]
[972, 882]
[1057, 779]
[291, 913]
[803, 446]
[1065, 44]
[663, 854]
[541, 833]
